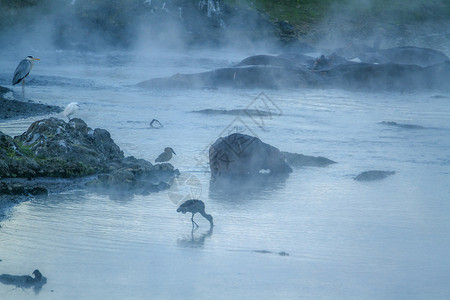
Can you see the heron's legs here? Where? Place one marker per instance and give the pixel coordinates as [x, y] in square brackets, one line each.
[23, 88]
[193, 222]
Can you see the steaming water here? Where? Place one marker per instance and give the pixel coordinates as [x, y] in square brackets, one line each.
[386, 239]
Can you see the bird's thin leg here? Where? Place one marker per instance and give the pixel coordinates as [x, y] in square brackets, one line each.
[193, 222]
[23, 88]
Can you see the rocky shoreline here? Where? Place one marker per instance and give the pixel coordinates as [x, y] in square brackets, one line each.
[11, 108]
[53, 156]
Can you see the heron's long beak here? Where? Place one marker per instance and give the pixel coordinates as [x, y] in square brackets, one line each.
[173, 152]
[36, 58]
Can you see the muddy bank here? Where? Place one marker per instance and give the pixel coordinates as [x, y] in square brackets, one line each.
[11, 108]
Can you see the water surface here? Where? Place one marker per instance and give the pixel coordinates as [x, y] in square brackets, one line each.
[386, 239]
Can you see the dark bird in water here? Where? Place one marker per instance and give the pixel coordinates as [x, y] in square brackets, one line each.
[166, 155]
[22, 71]
[24, 281]
[195, 206]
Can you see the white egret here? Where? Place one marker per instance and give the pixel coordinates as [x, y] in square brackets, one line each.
[71, 109]
[22, 71]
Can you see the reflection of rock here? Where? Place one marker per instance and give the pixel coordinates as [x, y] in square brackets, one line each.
[25, 281]
[373, 175]
[243, 155]
[300, 160]
[234, 190]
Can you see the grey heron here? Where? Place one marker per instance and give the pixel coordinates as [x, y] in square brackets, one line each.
[166, 155]
[22, 71]
[71, 109]
[195, 206]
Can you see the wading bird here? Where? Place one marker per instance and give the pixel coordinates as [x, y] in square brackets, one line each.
[22, 71]
[195, 206]
[71, 109]
[166, 155]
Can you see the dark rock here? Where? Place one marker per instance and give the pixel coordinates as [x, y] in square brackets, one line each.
[243, 155]
[13, 108]
[265, 60]
[410, 55]
[271, 77]
[4, 90]
[235, 112]
[70, 149]
[39, 191]
[300, 160]
[54, 148]
[380, 70]
[25, 281]
[298, 59]
[373, 175]
[287, 30]
[400, 125]
[327, 63]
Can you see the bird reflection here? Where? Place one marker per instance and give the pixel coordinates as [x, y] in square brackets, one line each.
[25, 281]
[195, 241]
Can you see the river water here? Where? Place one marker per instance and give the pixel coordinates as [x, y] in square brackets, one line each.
[386, 239]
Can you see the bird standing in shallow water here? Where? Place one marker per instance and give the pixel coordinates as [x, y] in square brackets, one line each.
[22, 71]
[71, 109]
[166, 155]
[195, 206]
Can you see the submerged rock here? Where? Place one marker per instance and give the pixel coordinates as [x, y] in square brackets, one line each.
[243, 155]
[235, 112]
[373, 175]
[396, 69]
[25, 281]
[400, 125]
[259, 76]
[300, 160]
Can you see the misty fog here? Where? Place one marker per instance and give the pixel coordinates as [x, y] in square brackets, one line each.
[359, 88]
